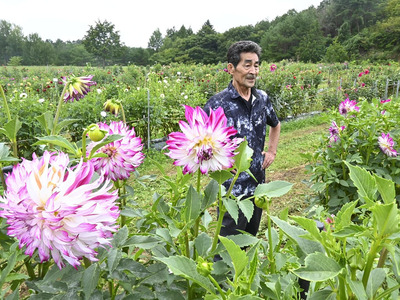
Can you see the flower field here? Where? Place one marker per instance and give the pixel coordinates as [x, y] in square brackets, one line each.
[76, 137]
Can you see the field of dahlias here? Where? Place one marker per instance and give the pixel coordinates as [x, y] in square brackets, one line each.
[72, 140]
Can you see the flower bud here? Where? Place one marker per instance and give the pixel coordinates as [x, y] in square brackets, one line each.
[96, 134]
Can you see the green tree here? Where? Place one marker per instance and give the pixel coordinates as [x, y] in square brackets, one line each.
[11, 41]
[293, 36]
[335, 53]
[37, 52]
[156, 40]
[385, 35]
[103, 41]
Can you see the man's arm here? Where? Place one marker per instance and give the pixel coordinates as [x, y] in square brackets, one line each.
[269, 156]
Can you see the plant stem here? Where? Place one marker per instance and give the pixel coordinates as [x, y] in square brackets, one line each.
[342, 287]
[382, 258]
[122, 113]
[222, 293]
[84, 144]
[60, 102]
[370, 260]
[197, 223]
[270, 249]
[222, 211]
[5, 103]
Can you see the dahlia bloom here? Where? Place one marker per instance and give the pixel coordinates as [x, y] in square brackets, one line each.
[77, 87]
[58, 210]
[205, 142]
[348, 106]
[273, 68]
[123, 156]
[386, 144]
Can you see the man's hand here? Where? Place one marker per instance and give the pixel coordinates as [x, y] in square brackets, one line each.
[269, 158]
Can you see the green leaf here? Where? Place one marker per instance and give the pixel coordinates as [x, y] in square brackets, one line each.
[113, 258]
[192, 205]
[247, 207]
[90, 279]
[65, 123]
[309, 225]
[375, 281]
[165, 234]
[120, 237]
[349, 231]
[243, 158]
[221, 176]
[203, 243]
[8, 268]
[273, 189]
[5, 154]
[58, 141]
[343, 217]
[238, 256]
[210, 194]
[142, 241]
[46, 120]
[386, 188]
[318, 267]
[357, 288]
[323, 295]
[364, 181]
[187, 268]
[386, 218]
[296, 234]
[11, 128]
[232, 208]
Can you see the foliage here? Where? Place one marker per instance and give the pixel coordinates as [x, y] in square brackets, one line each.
[356, 143]
[103, 41]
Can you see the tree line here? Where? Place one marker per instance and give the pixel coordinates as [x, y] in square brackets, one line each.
[335, 31]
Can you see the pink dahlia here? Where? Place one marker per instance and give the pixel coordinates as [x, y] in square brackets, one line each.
[123, 156]
[386, 144]
[205, 142]
[58, 210]
[77, 87]
[348, 106]
[273, 68]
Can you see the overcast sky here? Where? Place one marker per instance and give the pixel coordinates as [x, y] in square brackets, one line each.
[137, 20]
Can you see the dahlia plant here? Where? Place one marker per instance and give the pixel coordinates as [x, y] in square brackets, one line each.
[368, 139]
[58, 210]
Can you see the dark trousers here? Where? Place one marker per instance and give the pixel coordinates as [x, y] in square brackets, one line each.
[229, 226]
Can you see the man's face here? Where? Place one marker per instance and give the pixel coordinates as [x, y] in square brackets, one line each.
[245, 73]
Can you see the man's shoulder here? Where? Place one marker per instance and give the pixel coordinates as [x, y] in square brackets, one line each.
[219, 99]
[261, 94]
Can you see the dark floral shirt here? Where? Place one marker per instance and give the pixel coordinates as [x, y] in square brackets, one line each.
[250, 123]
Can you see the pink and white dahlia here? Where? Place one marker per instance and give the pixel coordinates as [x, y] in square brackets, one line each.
[205, 142]
[77, 87]
[347, 106]
[58, 210]
[386, 144]
[123, 156]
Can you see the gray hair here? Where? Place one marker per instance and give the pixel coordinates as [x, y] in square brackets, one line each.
[237, 48]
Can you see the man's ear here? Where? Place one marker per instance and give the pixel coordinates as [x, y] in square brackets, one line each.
[231, 68]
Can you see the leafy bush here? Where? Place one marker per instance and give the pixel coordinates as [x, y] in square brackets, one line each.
[356, 142]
